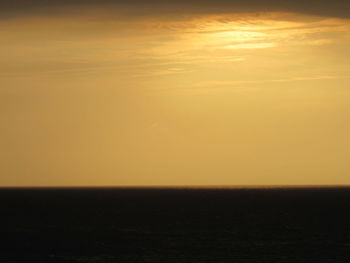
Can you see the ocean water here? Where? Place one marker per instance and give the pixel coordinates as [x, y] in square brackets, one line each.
[175, 225]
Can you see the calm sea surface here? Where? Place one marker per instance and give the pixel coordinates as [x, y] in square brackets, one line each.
[175, 225]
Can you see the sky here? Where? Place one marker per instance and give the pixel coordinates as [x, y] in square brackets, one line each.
[185, 93]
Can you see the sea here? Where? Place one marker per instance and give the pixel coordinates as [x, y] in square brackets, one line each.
[175, 224]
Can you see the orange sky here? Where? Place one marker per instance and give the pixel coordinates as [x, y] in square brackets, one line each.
[195, 99]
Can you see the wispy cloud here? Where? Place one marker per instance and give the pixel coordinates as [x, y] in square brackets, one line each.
[219, 83]
[249, 46]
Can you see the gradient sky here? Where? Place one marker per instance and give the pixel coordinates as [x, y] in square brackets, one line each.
[137, 93]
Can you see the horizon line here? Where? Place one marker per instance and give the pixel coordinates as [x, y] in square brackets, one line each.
[178, 186]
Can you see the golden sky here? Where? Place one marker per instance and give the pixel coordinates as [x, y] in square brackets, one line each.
[95, 98]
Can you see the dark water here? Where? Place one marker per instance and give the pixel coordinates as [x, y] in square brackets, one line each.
[175, 225]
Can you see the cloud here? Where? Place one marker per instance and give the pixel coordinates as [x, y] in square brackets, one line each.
[130, 8]
[214, 84]
[248, 46]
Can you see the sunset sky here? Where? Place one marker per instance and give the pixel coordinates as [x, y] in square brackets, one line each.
[153, 93]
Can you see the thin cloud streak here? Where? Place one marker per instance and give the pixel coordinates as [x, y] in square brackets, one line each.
[214, 84]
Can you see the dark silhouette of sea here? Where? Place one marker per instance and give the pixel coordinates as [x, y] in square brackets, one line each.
[175, 225]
